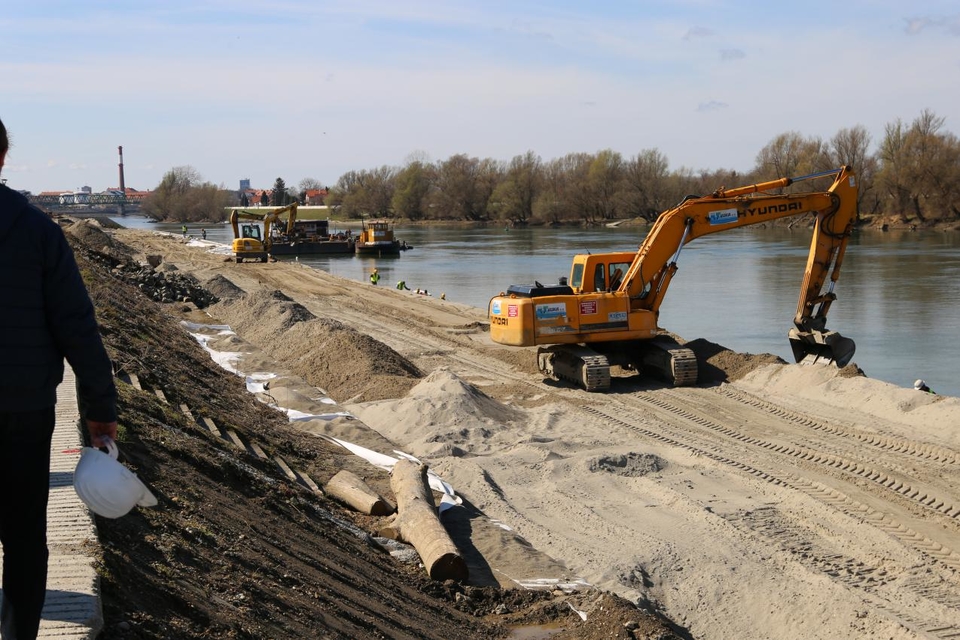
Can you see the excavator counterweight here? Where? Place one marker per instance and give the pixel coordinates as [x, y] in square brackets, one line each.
[606, 313]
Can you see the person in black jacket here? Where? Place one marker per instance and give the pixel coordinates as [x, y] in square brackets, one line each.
[46, 316]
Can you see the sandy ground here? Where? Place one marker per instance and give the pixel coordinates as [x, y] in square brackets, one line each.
[790, 501]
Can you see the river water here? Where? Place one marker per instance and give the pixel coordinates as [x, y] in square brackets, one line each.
[898, 294]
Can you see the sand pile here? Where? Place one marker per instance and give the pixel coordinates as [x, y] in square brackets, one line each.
[832, 393]
[347, 364]
[223, 288]
[442, 415]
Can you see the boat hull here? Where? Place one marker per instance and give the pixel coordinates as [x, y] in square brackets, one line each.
[378, 248]
[302, 248]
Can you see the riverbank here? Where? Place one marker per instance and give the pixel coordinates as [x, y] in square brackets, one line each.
[696, 503]
[236, 549]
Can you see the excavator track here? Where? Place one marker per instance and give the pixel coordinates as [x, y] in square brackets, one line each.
[583, 366]
[683, 366]
[580, 365]
[666, 359]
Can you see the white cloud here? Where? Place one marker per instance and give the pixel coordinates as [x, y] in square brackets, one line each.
[698, 32]
[949, 24]
[712, 105]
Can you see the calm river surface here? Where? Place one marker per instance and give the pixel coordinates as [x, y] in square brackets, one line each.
[898, 294]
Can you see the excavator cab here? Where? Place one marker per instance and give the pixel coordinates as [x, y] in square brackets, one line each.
[251, 231]
[596, 272]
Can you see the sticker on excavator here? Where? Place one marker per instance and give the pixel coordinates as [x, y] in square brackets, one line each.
[550, 311]
[495, 308]
[513, 310]
[617, 316]
[724, 216]
[588, 307]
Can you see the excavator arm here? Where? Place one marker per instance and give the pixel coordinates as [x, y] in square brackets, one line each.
[834, 212]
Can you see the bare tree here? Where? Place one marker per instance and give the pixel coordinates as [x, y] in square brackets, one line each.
[379, 189]
[852, 147]
[645, 185]
[411, 186]
[912, 173]
[605, 177]
[183, 196]
[463, 187]
[513, 198]
[787, 155]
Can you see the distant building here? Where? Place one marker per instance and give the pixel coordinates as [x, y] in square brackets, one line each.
[133, 195]
[315, 197]
[244, 184]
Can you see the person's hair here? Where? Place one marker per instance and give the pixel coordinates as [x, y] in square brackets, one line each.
[4, 142]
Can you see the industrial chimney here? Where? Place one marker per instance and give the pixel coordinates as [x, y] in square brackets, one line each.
[123, 189]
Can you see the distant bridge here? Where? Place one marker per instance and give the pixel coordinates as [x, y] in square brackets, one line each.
[88, 202]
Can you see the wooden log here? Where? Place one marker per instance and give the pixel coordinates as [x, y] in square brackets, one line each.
[417, 523]
[352, 490]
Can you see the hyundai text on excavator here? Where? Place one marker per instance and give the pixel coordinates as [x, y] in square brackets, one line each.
[606, 313]
[251, 241]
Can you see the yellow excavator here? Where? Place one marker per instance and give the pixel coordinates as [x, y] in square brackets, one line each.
[251, 240]
[606, 313]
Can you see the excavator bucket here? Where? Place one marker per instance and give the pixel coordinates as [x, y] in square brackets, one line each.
[828, 345]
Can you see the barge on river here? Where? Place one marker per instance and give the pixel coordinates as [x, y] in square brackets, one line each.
[311, 237]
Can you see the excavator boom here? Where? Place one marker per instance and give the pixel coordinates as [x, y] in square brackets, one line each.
[610, 305]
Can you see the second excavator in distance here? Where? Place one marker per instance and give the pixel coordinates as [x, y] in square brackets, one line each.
[606, 313]
[252, 240]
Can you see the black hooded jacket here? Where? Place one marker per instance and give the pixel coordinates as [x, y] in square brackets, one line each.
[46, 316]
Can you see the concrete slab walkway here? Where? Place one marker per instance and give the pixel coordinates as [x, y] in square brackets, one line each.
[72, 610]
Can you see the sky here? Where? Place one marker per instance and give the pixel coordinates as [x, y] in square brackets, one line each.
[312, 89]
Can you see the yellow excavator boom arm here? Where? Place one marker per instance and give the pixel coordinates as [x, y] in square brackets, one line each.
[834, 211]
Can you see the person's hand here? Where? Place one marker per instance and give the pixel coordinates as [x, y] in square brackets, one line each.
[100, 432]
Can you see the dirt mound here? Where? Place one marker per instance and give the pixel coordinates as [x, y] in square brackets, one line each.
[90, 233]
[851, 371]
[223, 288]
[719, 364]
[442, 415]
[629, 465]
[347, 364]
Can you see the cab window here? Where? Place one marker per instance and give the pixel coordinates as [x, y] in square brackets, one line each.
[617, 271]
[599, 281]
[576, 278]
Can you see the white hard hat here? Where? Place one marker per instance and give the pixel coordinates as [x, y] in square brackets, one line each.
[107, 487]
[918, 384]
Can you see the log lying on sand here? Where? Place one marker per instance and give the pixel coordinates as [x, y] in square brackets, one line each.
[417, 522]
[351, 489]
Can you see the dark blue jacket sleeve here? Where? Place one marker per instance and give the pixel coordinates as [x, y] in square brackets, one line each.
[71, 320]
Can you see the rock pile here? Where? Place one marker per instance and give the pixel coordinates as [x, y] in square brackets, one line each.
[165, 284]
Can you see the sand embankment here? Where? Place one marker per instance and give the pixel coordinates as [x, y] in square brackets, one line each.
[786, 501]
